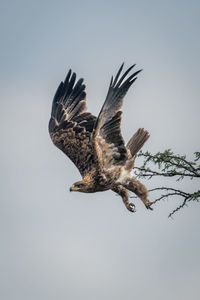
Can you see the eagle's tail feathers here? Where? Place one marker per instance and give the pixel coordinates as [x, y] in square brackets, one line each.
[137, 141]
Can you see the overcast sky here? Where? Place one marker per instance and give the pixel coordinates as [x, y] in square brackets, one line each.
[61, 245]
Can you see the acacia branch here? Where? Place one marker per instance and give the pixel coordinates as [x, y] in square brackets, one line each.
[170, 165]
[150, 173]
[175, 192]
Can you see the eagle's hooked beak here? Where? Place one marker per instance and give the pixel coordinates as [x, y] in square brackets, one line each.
[73, 188]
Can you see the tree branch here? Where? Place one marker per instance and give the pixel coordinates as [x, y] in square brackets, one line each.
[170, 165]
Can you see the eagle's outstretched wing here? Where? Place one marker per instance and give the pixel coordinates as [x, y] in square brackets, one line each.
[109, 144]
[70, 126]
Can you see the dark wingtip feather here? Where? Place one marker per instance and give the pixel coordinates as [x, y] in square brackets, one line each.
[68, 94]
[79, 86]
[73, 79]
[130, 79]
[68, 85]
[67, 77]
[111, 81]
[118, 74]
[124, 75]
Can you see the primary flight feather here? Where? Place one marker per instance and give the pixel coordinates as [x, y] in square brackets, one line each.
[95, 145]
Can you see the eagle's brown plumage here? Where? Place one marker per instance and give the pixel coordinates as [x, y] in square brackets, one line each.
[95, 145]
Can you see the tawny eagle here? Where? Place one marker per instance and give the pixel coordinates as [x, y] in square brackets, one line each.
[95, 144]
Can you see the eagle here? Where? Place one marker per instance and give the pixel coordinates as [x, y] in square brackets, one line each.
[95, 144]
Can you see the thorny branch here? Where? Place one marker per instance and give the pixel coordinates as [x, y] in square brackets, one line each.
[170, 165]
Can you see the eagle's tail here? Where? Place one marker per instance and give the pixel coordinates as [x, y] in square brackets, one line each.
[137, 141]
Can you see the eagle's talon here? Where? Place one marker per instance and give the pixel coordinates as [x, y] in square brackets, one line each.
[148, 205]
[131, 207]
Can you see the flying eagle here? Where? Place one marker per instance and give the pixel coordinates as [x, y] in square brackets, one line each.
[95, 144]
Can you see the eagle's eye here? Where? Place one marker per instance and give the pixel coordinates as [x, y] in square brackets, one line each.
[79, 185]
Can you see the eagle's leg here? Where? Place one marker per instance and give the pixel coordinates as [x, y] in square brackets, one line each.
[135, 186]
[121, 191]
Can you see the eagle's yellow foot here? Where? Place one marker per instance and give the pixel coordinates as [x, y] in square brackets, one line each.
[131, 207]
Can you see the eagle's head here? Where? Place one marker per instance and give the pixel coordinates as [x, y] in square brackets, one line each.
[81, 186]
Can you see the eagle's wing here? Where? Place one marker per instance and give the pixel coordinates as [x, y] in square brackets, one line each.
[70, 126]
[109, 144]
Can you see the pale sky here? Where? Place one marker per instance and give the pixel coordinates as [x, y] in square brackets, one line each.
[61, 245]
